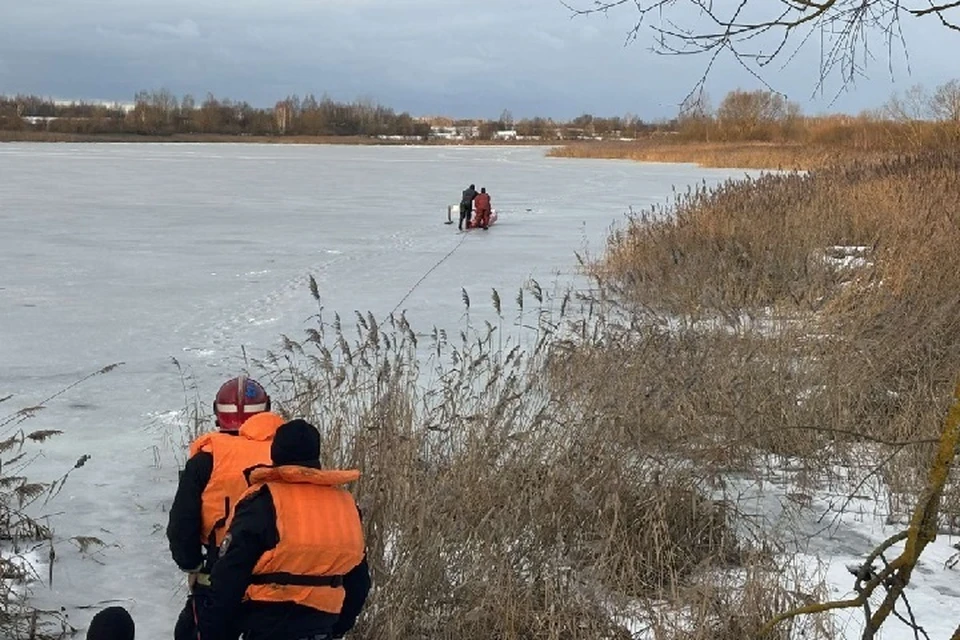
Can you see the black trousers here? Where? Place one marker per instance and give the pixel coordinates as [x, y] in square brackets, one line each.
[186, 627]
[466, 209]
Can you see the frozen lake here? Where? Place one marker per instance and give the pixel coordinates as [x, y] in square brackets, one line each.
[142, 252]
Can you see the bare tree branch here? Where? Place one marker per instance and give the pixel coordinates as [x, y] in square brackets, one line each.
[895, 576]
[756, 32]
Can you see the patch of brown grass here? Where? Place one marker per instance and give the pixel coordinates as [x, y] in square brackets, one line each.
[814, 143]
[739, 155]
[869, 348]
[499, 501]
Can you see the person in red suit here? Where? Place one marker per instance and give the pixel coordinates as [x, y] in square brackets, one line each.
[482, 205]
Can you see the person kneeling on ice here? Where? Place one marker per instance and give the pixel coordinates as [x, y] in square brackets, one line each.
[466, 205]
[112, 623]
[212, 482]
[293, 564]
[482, 203]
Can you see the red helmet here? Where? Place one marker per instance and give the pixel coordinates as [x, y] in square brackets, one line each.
[238, 399]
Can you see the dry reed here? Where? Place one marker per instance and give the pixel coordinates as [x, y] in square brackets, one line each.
[23, 535]
[504, 498]
[810, 143]
[841, 276]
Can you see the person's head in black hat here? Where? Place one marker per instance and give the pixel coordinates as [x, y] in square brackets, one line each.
[112, 623]
[296, 442]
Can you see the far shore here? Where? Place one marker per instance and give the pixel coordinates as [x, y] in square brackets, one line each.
[50, 136]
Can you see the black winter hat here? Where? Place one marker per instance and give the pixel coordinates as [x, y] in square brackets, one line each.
[296, 441]
[112, 623]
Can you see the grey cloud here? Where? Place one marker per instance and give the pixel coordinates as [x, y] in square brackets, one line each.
[184, 29]
[463, 57]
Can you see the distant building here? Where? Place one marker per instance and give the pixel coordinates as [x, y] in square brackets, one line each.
[444, 133]
[398, 137]
[125, 107]
[468, 131]
[509, 134]
[35, 120]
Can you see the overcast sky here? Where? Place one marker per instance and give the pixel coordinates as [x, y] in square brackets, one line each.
[454, 57]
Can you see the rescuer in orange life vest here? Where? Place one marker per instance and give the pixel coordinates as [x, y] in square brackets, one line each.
[212, 482]
[293, 563]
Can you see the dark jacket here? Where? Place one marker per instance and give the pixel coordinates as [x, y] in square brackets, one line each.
[252, 533]
[468, 196]
[185, 522]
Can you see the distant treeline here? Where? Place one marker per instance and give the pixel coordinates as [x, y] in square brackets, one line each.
[159, 113]
[915, 118]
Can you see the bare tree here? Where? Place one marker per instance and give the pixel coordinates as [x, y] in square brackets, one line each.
[755, 115]
[945, 102]
[914, 105]
[696, 106]
[758, 32]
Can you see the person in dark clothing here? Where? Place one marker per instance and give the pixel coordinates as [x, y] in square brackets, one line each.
[211, 482]
[466, 205]
[112, 623]
[310, 583]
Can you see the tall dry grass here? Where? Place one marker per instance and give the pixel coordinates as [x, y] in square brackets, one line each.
[809, 143]
[836, 288]
[739, 155]
[503, 497]
[26, 539]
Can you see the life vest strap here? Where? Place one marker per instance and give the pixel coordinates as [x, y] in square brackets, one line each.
[294, 579]
[213, 551]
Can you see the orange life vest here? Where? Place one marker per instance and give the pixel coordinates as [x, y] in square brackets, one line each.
[321, 537]
[231, 455]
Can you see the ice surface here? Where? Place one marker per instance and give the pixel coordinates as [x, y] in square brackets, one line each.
[137, 253]
[837, 529]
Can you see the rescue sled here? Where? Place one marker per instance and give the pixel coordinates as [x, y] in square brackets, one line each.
[490, 220]
[453, 215]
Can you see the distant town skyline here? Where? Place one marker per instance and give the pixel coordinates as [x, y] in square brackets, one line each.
[456, 58]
